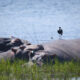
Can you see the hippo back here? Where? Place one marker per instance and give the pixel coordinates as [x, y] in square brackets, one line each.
[64, 49]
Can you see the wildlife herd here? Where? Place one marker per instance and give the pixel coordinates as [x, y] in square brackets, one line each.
[15, 48]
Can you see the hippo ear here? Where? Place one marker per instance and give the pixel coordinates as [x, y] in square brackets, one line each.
[14, 50]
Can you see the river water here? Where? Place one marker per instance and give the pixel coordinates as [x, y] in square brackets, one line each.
[74, 78]
[38, 20]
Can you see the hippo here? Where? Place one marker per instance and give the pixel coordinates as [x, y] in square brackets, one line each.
[8, 55]
[7, 43]
[63, 50]
[12, 45]
[19, 41]
[3, 44]
[26, 52]
[14, 53]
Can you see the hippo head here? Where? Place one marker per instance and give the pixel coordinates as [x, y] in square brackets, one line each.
[34, 48]
[18, 52]
[16, 42]
[43, 57]
[21, 53]
[38, 56]
[30, 50]
[26, 52]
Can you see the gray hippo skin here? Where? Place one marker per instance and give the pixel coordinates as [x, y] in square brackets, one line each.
[64, 50]
[8, 55]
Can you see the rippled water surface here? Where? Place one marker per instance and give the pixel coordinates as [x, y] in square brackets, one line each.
[38, 20]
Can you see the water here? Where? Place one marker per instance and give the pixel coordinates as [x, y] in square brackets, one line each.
[77, 78]
[38, 20]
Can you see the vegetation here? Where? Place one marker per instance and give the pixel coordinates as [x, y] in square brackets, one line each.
[49, 71]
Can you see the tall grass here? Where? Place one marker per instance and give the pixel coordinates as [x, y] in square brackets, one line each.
[16, 71]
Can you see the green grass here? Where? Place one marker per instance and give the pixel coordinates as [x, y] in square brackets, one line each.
[16, 71]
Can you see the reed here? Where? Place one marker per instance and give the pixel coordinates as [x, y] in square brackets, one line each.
[49, 71]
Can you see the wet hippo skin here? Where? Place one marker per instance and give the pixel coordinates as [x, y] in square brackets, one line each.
[64, 50]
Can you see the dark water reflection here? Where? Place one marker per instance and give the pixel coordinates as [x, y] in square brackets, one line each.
[74, 78]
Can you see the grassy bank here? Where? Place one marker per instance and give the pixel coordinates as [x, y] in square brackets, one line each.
[15, 71]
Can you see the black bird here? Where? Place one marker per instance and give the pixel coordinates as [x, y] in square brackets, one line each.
[60, 31]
